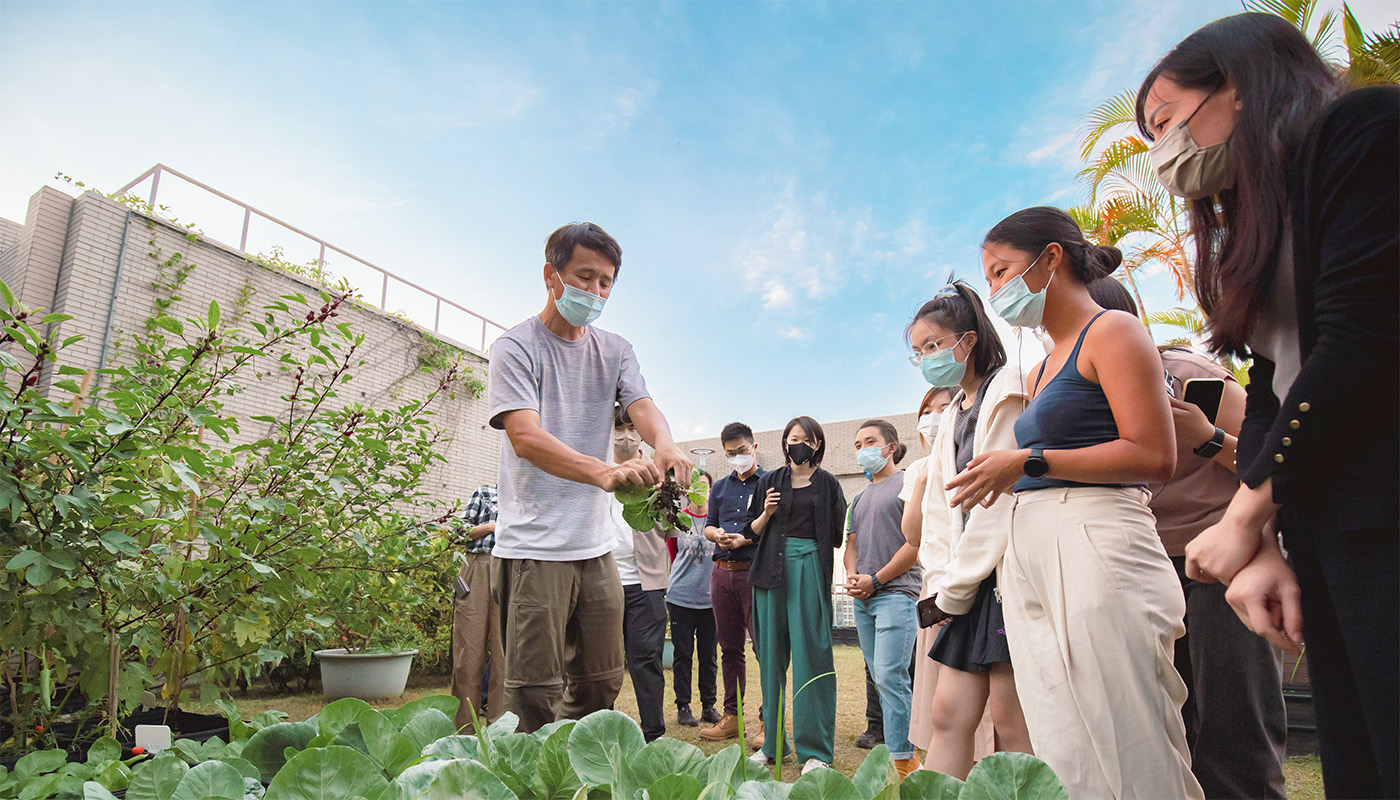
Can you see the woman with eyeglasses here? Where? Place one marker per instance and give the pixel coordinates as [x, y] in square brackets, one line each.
[1092, 604]
[956, 347]
[796, 519]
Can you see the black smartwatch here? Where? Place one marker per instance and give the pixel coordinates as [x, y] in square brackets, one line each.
[1036, 466]
[1211, 448]
[875, 585]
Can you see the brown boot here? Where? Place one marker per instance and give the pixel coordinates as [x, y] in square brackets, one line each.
[905, 766]
[726, 728]
[756, 741]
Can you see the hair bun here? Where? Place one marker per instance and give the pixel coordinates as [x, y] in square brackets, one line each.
[1104, 259]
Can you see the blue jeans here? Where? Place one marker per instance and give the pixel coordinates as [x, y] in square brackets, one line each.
[887, 624]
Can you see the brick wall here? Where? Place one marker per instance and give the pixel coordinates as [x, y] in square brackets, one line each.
[65, 258]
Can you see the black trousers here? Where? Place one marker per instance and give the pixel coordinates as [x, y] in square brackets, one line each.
[1351, 624]
[693, 634]
[1235, 721]
[643, 639]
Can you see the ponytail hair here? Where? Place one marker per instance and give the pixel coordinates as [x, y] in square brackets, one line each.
[889, 434]
[957, 308]
[1033, 229]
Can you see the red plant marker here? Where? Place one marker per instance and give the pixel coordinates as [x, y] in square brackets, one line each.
[137, 750]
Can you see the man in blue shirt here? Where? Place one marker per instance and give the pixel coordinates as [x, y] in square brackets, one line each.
[730, 594]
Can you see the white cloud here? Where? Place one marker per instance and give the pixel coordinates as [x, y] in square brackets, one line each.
[793, 332]
[1058, 147]
[626, 106]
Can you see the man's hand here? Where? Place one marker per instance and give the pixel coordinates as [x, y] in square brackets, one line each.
[859, 586]
[669, 457]
[987, 477]
[635, 472]
[481, 531]
[734, 541]
[1265, 596]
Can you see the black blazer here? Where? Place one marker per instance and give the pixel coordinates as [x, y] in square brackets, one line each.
[768, 561]
[1332, 446]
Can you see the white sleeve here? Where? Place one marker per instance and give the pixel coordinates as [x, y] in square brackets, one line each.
[983, 541]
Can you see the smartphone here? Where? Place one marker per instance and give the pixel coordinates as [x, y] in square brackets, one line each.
[1205, 393]
[460, 588]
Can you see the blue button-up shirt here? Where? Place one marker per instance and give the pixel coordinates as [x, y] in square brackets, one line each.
[729, 511]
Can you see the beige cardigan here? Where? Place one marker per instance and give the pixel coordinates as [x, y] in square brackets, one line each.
[957, 557]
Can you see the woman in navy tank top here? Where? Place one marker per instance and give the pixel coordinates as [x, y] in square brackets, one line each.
[1092, 604]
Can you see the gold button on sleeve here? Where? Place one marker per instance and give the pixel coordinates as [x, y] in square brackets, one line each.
[1279, 458]
[1287, 441]
[1304, 406]
[1294, 424]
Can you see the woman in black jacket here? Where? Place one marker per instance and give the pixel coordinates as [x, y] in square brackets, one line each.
[1294, 201]
[796, 518]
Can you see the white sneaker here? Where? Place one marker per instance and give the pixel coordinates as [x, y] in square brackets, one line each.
[814, 764]
[760, 759]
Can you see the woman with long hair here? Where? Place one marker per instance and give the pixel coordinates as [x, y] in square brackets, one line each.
[1292, 195]
[1092, 605]
[955, 346]
[796, 518]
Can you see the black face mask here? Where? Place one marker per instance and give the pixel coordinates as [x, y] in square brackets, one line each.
[801, 452]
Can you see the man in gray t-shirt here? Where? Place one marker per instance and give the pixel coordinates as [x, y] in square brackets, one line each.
[553, 382]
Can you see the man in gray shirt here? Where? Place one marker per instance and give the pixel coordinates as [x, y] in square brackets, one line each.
[553, 382]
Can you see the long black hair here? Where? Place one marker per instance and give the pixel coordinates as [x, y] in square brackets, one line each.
[1283, 84]
[1031, 230]
[957, 308]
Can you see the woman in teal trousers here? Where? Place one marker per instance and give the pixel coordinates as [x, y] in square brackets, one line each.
[796, 518]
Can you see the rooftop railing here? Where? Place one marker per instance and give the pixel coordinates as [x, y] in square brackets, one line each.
[489, 328]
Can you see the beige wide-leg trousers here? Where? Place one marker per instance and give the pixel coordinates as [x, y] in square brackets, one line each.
[1093, 607]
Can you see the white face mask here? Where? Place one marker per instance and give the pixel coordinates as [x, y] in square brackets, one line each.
[741, 463]
[928, 426]
[626, 444]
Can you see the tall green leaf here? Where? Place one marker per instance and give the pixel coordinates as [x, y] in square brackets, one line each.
[824, 784]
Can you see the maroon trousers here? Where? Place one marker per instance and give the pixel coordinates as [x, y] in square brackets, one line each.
[733, 603]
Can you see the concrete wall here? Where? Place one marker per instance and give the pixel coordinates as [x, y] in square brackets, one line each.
[65, 259]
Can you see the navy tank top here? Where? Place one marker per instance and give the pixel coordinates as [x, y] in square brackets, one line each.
[1071, 413]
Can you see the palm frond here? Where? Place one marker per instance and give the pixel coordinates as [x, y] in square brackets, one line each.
[1189, 319]
[1120, 109]
[1295, 11]
[1116, 156]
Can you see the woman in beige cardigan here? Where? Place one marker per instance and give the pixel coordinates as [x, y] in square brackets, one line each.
[956, 346]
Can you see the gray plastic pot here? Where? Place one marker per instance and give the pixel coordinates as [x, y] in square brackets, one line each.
[368, 676]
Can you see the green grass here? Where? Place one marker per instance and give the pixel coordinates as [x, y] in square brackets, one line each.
[1303, 774]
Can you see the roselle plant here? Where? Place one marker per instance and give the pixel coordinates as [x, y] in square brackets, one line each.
[153, 540]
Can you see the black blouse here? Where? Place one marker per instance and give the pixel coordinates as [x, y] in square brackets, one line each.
[829, 520]
[1332, 446]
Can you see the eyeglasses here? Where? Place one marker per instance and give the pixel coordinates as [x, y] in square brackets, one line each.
[917, 357]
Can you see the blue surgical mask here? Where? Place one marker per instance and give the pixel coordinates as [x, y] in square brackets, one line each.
[871, 460]
[942, 369]
[1017, 304]
[577, 307]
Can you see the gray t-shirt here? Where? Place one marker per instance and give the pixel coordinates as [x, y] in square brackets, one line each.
[573, 386]
[876, 514]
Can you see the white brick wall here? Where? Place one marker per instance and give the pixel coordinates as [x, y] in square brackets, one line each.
[65, 257]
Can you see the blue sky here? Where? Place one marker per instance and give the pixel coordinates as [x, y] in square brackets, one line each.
[789, 181]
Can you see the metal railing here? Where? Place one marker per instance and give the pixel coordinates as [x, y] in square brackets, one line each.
[155, 173]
